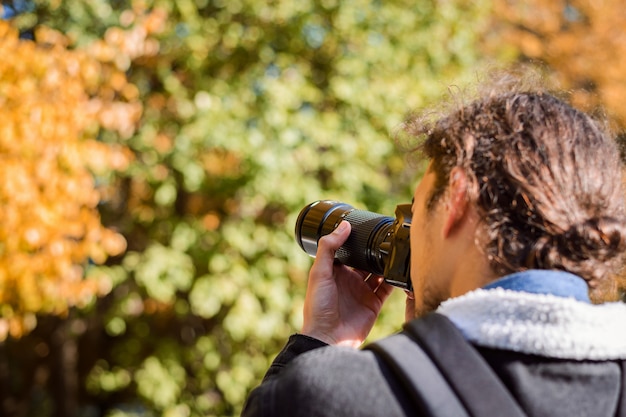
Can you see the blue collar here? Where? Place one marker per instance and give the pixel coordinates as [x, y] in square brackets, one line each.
[535, 281]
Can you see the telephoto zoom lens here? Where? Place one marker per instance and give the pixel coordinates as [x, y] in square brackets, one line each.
[366, 247]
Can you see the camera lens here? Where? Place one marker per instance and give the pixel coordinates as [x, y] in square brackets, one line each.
[362, 250]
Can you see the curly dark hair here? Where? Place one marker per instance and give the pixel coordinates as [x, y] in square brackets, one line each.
[546, 180]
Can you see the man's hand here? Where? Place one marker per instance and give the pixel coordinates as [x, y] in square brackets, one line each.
[341, 303]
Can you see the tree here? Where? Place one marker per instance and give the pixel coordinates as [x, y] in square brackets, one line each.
[580, 41]
[251, 109]
[56, 105]
[50, 224]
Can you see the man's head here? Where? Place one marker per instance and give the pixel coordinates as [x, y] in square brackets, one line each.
[544, 178]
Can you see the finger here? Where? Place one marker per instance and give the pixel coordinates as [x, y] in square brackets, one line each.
[328, 244]
[374, 282]
[409, 310]
[324, 265]
[380, 282]
[379, 287]
[384, 290]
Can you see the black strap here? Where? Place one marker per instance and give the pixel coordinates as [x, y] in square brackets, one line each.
[475, 383]
[424, 385]
[621, 407]
[447, 376]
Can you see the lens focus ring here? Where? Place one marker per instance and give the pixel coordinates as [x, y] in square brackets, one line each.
[360, 250]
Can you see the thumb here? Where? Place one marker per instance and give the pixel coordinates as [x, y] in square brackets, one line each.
[328, 244]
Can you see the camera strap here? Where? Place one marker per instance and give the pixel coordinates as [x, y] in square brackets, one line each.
[442, 372]
[621, 408]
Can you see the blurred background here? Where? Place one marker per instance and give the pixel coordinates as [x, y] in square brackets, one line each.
[155, 155]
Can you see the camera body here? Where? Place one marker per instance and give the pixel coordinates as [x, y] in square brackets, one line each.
[378, 244]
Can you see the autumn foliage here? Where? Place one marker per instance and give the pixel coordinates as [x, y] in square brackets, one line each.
[52, 108]
[197, 130]
[583, 43]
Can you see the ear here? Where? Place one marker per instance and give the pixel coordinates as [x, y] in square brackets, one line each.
[456, 204]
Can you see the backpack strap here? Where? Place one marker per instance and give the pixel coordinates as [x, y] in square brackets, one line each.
[476, 384]
[428, 391]
[621, 407]
[443, 373]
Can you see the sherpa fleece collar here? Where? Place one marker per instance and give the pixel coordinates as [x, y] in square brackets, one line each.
[540, 324]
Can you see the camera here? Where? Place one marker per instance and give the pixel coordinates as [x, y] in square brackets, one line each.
[377, 244]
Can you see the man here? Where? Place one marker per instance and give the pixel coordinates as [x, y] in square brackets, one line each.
[517, 222]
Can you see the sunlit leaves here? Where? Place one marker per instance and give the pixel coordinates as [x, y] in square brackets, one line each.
[50, 225]
[162, 271]
[160, 381]
[582, 41]
[282, 104]
[109, 380]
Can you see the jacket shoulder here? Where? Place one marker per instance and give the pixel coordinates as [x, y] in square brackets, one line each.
[331, 381]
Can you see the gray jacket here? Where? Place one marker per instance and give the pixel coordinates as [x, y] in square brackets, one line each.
[557, 356]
